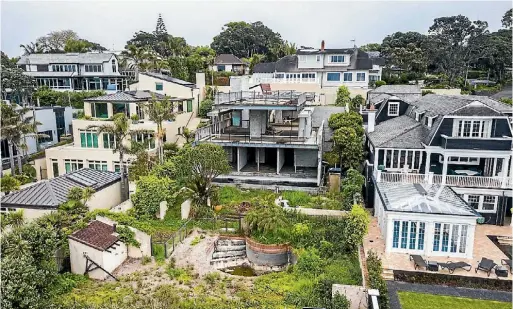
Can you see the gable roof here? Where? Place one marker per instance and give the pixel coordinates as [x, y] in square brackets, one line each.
[227, 59]
[399, 132]
[169, 78]
[436, 104]
[98, 235]
[314, 51]
[49, 194]
[80, 58]
[127, 96]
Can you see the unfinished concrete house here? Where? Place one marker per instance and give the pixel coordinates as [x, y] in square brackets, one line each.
[269, 138]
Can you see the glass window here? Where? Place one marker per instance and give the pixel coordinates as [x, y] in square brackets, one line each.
[108, 141]
[413, 234]
[436, 239]
[189, 106]
[360, 77]
[393, 108]
[55, 167]
[308, 75]
[463, 239]
[114, 68]
[146, 139]
[221, 68]
[348, 77]
[337, 58]
[333, 77]
[404, 234]
[489, 202]
[159, 86]
[445, 238]
[422, 230]
[318, 58]
[73, 165]
[454, 237]
[395, 242]
[98, 165]
[88, 139]
[473, 128]
[473, 201]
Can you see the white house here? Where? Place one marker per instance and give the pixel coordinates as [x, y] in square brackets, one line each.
[45, 196]
[424, 219]
[351, 67]
[74, 71]
[228, 63]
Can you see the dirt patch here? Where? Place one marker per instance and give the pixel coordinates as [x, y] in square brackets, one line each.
[196, 251]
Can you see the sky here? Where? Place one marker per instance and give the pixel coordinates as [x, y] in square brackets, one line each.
[112, 23]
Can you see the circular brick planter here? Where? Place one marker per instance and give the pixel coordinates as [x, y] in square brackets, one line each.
[267, 255]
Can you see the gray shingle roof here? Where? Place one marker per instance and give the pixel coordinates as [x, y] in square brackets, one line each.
[227, 59]
[49, 194]
[127, 96]
[423, 198]
[326, 51]
[399, 132]
[168, 78]
[51, 74]
[435, 104]
[397, 89]
[65, 58]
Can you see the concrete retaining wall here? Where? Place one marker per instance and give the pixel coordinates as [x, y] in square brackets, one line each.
[267, 255]
[305, 157]
[242, 157]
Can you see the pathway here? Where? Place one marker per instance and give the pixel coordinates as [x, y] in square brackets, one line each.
[395, 286]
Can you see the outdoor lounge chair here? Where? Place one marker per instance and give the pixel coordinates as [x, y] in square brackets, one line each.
[418, 261]
[486, 265]
[507, 263]
[452, 266]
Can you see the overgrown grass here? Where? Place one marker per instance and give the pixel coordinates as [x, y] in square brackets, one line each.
[412, 300]
[232, 195]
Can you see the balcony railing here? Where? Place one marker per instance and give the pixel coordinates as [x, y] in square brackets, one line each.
[490, 143]
[272, 80]
[450, 180]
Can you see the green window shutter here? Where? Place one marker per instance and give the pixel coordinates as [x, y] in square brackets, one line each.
[95, 140]
[68, 167]
[189, 106]
[82, 139]
[89, 140]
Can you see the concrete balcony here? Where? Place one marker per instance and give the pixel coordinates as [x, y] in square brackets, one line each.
[495, 182]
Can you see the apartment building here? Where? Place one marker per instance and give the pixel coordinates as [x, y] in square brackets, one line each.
[75, 71]
[270, 138]
[324, 67]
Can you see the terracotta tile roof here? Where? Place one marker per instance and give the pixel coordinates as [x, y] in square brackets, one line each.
[97, 234]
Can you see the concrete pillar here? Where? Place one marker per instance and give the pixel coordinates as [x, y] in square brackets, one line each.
[371, 119]
[278, 116]
[200, 84]
[242, 157]
[110, 110]
[257, 155]
[428, 164]
[444, 169]
[87, 109]
[504, 171]
[280, 159]
[257, 124]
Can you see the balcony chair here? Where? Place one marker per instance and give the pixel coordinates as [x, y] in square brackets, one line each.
[452, 266]
[486, 265]
[418, 261]
[506, 263]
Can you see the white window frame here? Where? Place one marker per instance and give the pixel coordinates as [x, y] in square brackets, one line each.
[359, 74]
[481, 201]
[318, 58]
[95, 162]
[484, 128]
[389, 108]
[336, 57]
[302, 58]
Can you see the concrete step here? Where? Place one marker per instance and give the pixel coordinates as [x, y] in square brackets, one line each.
[230, 248]
[231, 242]
[388, 274]
[228, 254]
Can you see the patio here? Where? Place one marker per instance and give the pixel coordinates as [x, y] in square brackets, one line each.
[483, 247]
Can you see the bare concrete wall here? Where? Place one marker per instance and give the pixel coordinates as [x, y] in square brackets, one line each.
[257, 123]
[305, 157]
[280, 160]
[229, 153]
[242, 159]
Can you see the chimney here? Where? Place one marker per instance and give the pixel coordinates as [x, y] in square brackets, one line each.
[371, 118]
[322, 45]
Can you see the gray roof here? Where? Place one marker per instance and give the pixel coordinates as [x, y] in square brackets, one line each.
[323, 113]
[227, 59]
[127, 96]
[49, 194]
[325, 51]
[397, 89]
[399, 132]
[423, 198]
[289, 63]
[169, 78]
[436, 104]
[80, 58]
[51, 74]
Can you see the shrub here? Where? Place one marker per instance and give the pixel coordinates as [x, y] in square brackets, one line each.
[375, 269]
[506, 101]
[343, 96]
[151, 190]
[30, 171]
[309, 262]
[145, 260]
[379, 83]
[424, 92]
[9, 183]
[205, 108]
[127, 236]
[356, 227]
[352, 188]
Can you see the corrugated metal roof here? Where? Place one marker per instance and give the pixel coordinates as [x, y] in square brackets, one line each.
[51, 193]
[127, 96]
[79, 58]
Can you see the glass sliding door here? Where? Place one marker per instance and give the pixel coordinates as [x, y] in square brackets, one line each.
[408, 235]
[450, 238]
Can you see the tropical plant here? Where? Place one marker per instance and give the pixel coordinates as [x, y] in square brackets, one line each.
[138, 55]
[265, 217]
[15, 128]
[187, 134]
[119, 129]
[9, 183]
[31, 48]
[160, 110]
[13, 219]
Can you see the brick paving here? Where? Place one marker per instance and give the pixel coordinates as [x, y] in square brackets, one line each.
[394, 287]
[483, 247]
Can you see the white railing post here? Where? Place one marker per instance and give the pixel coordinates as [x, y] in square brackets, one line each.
[378, 176]
[430, 178]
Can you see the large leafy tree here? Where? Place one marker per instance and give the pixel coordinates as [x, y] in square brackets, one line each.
[348, 144]
[19, 85]
[160, 111]
[246, 39]
[119, 128]
[15, 127]
[454, 42]
[507, 19]
[196, 167]
[371, 47]
[405, 50]
[349, 120]
[82, 46]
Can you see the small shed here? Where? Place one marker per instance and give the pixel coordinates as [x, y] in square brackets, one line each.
[96, 250]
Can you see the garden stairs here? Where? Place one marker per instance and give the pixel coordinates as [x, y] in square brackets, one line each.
[388, 274]
[228, 252]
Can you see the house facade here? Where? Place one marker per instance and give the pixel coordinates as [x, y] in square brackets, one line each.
[93, 150]
[229, 63]
[462, 142]
[270, 138]
[351, 67]
[75, 71]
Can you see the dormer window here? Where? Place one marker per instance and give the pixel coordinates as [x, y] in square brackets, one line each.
[302, 58]
[114, 68]
[318, 58]
[337, 58]
[418, 116]
[430, 121]
[393, 108]
[472, 128]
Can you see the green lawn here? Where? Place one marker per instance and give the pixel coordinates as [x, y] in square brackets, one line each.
[412, 300]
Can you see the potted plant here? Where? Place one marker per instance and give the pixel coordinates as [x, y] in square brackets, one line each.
[135, 118]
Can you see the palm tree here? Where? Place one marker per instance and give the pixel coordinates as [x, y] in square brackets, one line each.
[15, 127]
[159, 111]
[119, 128]
[31, 48]
[187, 134]
[266, 217]
[138, 55]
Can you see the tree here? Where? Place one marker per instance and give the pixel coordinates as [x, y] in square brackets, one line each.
[160, 110]
[352, 188]
[161, 27]
[349, 146]
[32, 48]
[138, 55]
[405, 50]
[119, 129]
[82, 46]
[254, 60]
[196, 167]
[21, 85]
[55, 41]
[9, 183]
[357, 102]
[356, 227]
[507, 19]
[343, 96]
[205, 108]
[188, 135]
[150, 191]
[244, 40]
[371, 47]
[15, 127]
[349, 120]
